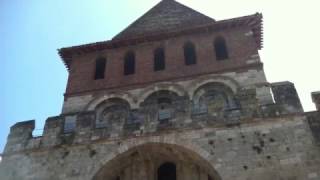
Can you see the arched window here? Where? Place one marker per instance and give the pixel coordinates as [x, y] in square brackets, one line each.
[167, 171]
[221, 48]
[100, 68]
[161, 106]
[190, 56]
[212, 98]
[112, 113]
[159, 59]
[129, 63]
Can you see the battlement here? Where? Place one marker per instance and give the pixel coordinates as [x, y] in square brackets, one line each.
[87, 127]
[175, 95]
[316, 99]
[285, 93]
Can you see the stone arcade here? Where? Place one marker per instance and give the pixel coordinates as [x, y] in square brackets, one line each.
[175, 96]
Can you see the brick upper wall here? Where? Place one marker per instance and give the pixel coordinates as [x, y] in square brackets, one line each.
[241, 46]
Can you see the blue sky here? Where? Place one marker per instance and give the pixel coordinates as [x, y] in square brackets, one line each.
[33, 79]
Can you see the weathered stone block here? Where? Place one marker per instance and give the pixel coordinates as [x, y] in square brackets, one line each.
[285, 93]
[19, 136]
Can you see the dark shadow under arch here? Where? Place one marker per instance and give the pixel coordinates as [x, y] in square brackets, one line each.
[158, 153]
[167, 171]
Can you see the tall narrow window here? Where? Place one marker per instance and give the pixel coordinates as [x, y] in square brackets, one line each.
[190, 54]
[159, 59]
[100, 68]
[221, 48]
[129, 63]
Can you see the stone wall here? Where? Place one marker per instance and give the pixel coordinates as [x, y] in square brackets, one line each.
[275, 148]
[250, 142]
[250, 79]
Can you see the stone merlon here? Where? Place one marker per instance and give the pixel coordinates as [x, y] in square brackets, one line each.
[316, 99]
[285, 93]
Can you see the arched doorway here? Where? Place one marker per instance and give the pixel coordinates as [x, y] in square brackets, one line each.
[157, 161]
[167, 171]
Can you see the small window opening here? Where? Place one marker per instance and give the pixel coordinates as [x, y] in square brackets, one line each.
[221, 49]
[159, 59]
[165, 110]
[167, 171]
[100, 68]
[129, 63]
[190, 54]
[69, 124]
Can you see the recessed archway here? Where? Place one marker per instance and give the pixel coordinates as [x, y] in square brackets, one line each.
[167, 171]
[157, 161]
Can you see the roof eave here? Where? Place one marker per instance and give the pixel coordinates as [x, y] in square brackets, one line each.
[255, 22]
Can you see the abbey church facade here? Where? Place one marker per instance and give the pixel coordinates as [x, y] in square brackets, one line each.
[177, 95]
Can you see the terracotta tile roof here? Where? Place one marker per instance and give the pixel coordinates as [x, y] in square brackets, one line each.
[166, 16]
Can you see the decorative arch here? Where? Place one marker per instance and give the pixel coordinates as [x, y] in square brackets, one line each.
[112, 113]
[124, 96]
[179, 90]
[227, 81]
[182, 150]
[214, 98]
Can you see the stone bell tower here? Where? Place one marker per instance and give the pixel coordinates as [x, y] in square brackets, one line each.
[177, 95]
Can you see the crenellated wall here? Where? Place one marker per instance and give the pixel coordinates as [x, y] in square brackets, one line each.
[216, 119]
[245, 140]
[277, 148]
[144, 120]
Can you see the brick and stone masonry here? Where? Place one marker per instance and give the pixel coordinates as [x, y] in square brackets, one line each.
[217, 118]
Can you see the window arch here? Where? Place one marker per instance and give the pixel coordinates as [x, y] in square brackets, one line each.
[167, 171]
[221, 49]
[214, 97]
[190, 56]
[111, 113]
[159, 59]
[100, 68]
[129, 63]
[161, 106]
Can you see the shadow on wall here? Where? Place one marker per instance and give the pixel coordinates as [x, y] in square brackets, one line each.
[154, 158]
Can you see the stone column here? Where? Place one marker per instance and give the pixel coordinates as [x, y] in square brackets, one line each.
[316, 99]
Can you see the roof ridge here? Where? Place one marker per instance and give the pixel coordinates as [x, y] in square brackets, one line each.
[164, 16]
[135, 21]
